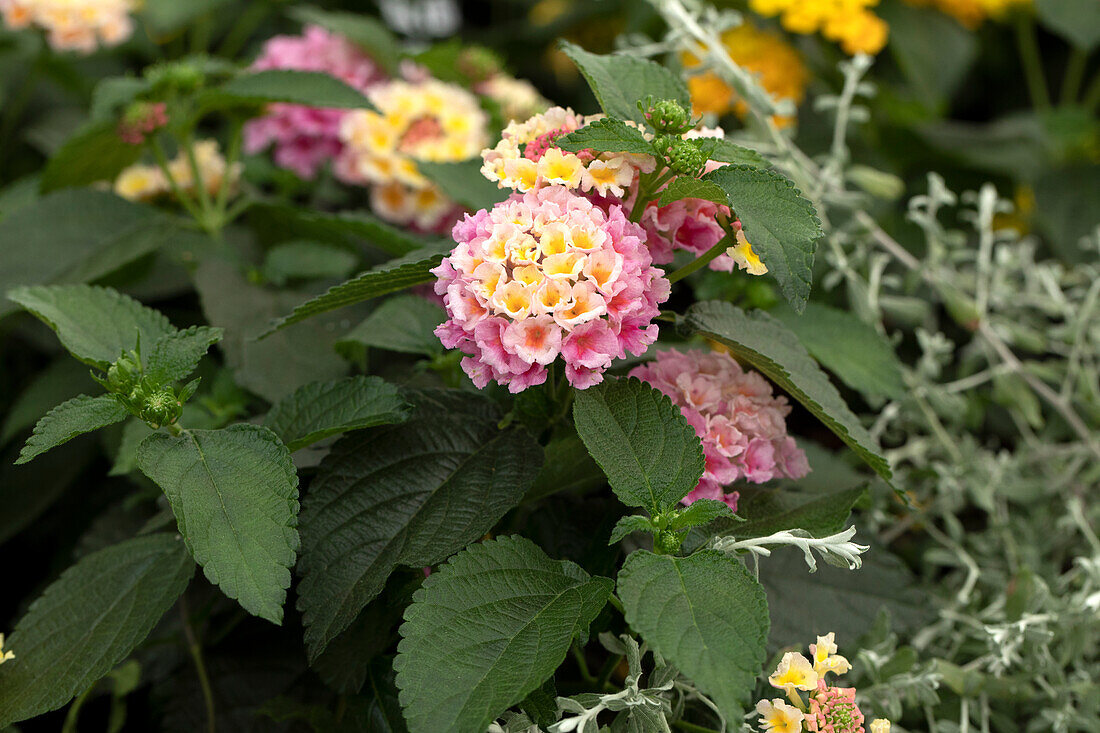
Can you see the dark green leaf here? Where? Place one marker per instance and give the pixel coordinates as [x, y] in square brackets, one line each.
[701, 511]
[62, 380]
[168, 16]
[567, 468]
[609, 135]
[94, 153]
[307, 261]
[704, 613]
[762, 341]
[404, 323]
[724, 151]
[79, 415]
[340, 228]
[364, 31]
[487, 629]
[175, 355]
[321, 409]
[632, 523]
[463, 182]
[641, 440]
[88, 621]
[309, 88]
[387, 278]
[852, 350]
[620, 80]
[781, 225]
[411, 494]
[95, 324]
[932, 49]
[235, 496]
[822, 516]
[1078, 21]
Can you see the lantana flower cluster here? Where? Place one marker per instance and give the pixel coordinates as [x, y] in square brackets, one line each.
[543, 274]
[518, 98]
[426, 120]
[741, 424]
[305, 138]
[142, 182]
[827, 709]
[73, 25]
[526, 158]
[851, 23]
[778, 67]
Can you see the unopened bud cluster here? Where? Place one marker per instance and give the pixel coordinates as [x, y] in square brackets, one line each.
[155, 404]
[666, 116]
[681, 155]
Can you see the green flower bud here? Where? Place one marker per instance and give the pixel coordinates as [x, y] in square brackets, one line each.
[161, 408]
[178, 76]
[123, 375]
[666, 115]
[667, 542]
[685, 158]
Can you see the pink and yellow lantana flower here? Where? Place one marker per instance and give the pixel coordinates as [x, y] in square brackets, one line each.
[73, 25]
[741, 423]
[546, 274]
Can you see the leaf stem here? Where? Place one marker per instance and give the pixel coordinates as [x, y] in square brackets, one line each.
[1028, 46]
[582, 664]
[692, 727]
[195, 648]
[74, 710]
[723, 244]
[1071, 82]
[173, 184]
[614, 601]
[1091, 99]
[608, 669]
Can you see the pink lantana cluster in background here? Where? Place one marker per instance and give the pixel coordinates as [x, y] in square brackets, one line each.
[305, 138]
[734, 412]
[73, 25]
[544, 274]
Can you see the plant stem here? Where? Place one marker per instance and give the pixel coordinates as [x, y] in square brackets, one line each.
[1091, 99]
[608, 669]
[1028, 47]
[614, 601]
[692, 727]
[1071, 82]
[582, 664]
[74, 711]
[195, 649]
[723, 244]
[184, 200]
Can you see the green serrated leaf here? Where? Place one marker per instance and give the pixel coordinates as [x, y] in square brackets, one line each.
[306, 261]
[403, 323]
[79, 415]
[78, 235]
[686, 187]
[609, 135]
[486, 630]
[322, 409]
[94, 153]
[724, 151]
[410, 494]
[369, 34]
[632, 523]
[235, 496]
[94, 324]
[852, 350]
[704, 613]
[620, 80]
[764, 342]
[88, 621]
[385, 279]
[175, 355]
[781, 225]
[641, 440]
[309, 88]
[463, 182]
[701, 511]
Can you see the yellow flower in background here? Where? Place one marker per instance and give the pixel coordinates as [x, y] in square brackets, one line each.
[971, 13]
[140, 182]
[847, 22]
[5, 656]
[794, 673]
[778, 66]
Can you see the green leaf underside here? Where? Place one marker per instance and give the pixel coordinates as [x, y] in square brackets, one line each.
[849, 348]
[606, 135]
[620, 80]
[77, 235]
[410, 494]
[321, 409]
[641, 440]
[88, 621]
[175, 355]
[235, 496]
[75, 417]
[309, 88]
[94, 153]
[781, 225]
[370, 284]
[820, 517]
[686, 187]
[463, 182]
[94, 324]
[704, 613]
[486, 630]
[767, 345]
[403, 323]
